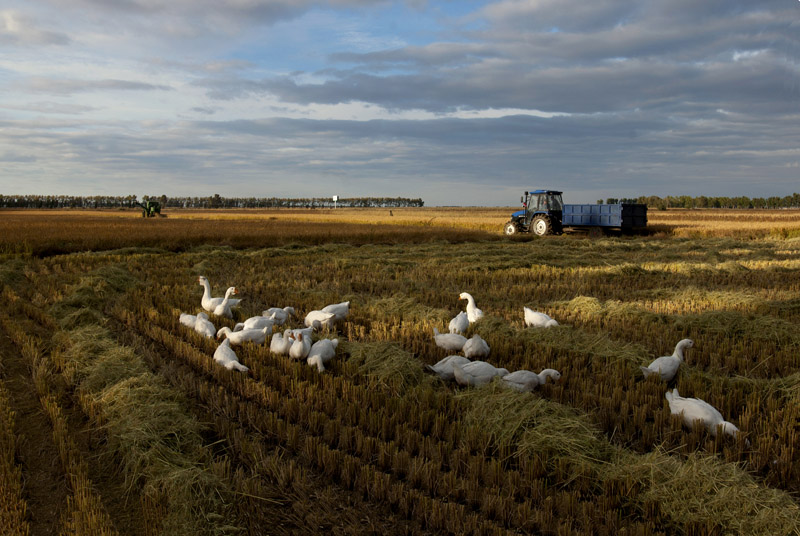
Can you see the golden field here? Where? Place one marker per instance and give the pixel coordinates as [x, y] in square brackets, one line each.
[61, 231]
[150, 436]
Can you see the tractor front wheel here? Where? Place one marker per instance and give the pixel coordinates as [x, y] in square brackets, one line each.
[510, 229]
[541, 226]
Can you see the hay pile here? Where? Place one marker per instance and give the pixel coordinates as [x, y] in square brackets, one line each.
[385, 365]
[704, 492]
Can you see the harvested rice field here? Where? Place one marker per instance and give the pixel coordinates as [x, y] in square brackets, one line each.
[115, 419]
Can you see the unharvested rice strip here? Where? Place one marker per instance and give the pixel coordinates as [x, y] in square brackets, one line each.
[393, 460]
[87, 515]
[13, 506]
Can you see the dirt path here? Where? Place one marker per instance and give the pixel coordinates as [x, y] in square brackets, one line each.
[45, 485]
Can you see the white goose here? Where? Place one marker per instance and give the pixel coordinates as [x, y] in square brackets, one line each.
[226, 357]
[321, 352]
[280, 344]
[280, 315]
[526, 381]
[340, 310]
[694, 409]
[667, 366]
[203, 326]
[459, 323]
[473, 313]
[300, 347]
[257, 336]
[209, 303]
[476, 373]
[187, 320]
[444, 368]
[256, 322]
[537, 319]
[476, 347]
[452, 342]
[224, 308]
[320, 319]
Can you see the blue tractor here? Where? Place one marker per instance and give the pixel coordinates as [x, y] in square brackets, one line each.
[543, 212]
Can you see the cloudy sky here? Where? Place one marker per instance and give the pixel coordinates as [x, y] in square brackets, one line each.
[460, 102]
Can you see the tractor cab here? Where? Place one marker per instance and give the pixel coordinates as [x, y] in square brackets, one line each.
[541, 202]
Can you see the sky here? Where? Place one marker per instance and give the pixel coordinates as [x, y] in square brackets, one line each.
[458, 102]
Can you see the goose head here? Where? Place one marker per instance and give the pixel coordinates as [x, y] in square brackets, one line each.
[728, 428]
[225, 330]
[682, 346]
[549, 373]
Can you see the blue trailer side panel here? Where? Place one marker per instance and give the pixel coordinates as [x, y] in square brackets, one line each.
[617, 215]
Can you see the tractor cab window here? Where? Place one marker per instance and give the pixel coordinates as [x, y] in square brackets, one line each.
[554, 202]
[537, 203]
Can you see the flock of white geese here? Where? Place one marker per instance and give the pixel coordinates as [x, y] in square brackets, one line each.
[466, 369]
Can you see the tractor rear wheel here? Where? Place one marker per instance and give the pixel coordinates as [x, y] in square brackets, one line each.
[510, 229]
[541, 226]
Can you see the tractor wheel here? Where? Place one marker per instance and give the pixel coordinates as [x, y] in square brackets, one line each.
[541, 226]
[510, 229]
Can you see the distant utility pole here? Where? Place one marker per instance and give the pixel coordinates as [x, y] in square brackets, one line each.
[335, 199]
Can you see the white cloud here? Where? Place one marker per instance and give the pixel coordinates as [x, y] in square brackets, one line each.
[18, 29]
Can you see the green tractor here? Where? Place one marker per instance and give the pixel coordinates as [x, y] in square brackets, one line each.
[150, 209]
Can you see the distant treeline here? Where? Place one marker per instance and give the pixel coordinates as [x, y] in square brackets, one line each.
[686, 201]
[215, 201]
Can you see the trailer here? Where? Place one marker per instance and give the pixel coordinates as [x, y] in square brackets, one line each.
[543, 212]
